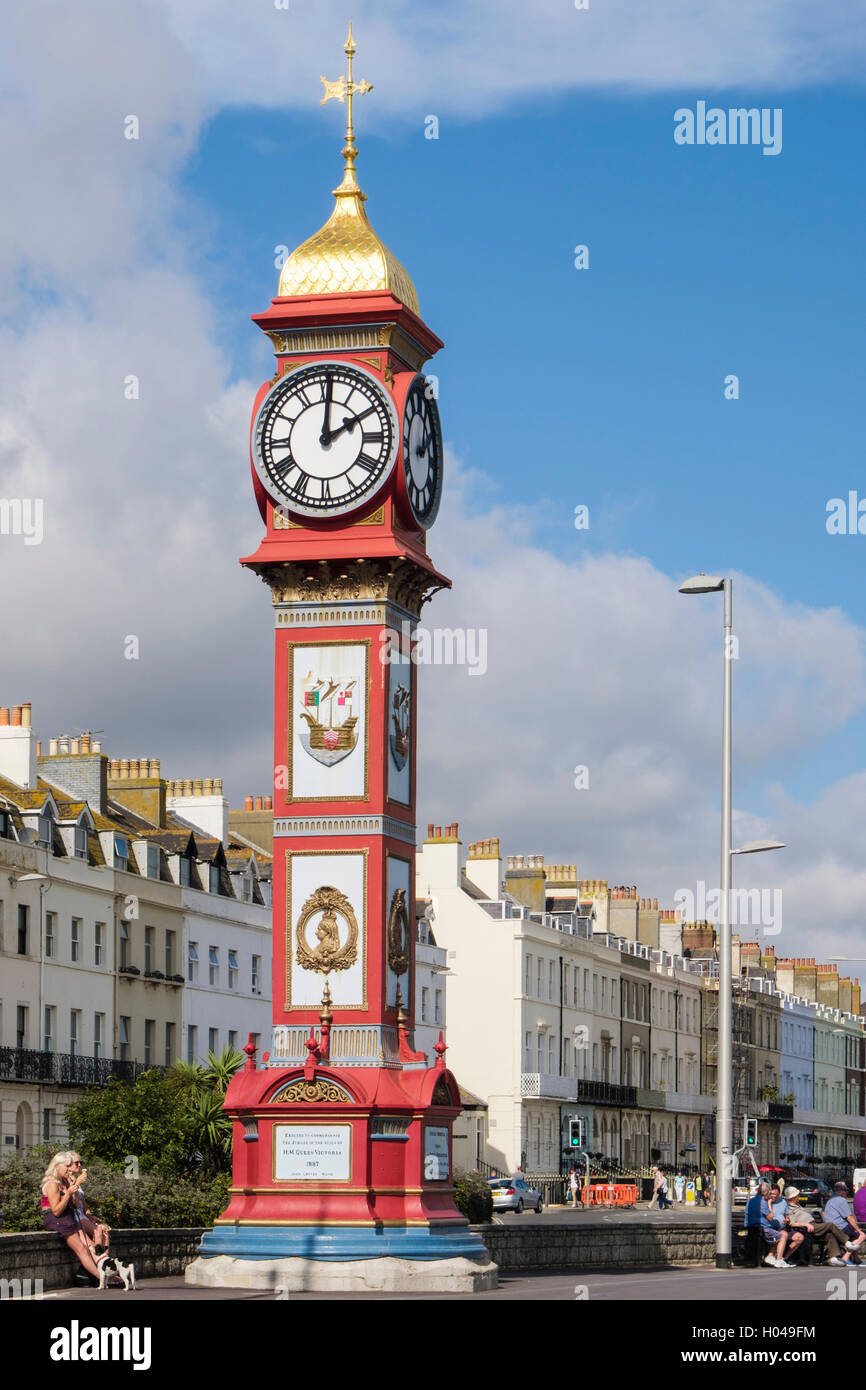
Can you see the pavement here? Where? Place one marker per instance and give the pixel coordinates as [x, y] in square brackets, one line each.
[681, 1284]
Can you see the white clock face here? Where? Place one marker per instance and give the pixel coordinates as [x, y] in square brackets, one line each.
[422, 452]
[324, 439]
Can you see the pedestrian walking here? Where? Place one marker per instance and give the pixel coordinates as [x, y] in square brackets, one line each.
[573, 1187]
[660, 1189]
[679, 1185]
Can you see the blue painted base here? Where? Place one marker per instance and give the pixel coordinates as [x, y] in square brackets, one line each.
[342, 1243]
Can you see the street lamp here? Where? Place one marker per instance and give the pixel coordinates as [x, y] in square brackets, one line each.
[710, 584]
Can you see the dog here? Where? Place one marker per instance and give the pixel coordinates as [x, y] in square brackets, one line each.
[111, 1268]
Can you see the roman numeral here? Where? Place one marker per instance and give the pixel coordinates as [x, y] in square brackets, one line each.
[326, 490]
[369, 465]
[373, 438]
[300, 483]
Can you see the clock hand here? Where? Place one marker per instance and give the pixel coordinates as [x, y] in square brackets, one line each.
[350, 421]
[422, 447]
[325, 437]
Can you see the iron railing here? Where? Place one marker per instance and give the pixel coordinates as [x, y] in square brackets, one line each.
[65, 1068]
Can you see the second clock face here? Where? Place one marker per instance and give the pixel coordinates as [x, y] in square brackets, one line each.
[324, 439]
[422, 452]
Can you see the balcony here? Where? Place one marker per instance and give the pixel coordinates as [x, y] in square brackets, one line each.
[778, 1110]
[546, 1086]
[606, 1093]
[63, 1068]
[688, 1103]
[650, 1100]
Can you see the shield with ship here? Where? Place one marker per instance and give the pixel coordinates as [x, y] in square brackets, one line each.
[327, 726]
[401, 714]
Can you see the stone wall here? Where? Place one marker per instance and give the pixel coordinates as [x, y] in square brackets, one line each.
[579, 1244]
[41, 1255]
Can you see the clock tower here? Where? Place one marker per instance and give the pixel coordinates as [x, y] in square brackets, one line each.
[342, 1173]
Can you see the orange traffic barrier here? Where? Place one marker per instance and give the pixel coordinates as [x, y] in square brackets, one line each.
[613, 1194]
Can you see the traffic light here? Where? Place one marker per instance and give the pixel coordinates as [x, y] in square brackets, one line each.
[751, 1133]
[575, 1134]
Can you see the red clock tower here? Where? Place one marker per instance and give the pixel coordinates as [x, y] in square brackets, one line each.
[342, 1136]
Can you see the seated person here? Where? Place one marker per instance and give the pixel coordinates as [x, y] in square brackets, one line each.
[843, 1230]
[760, 1214]
[59, 1188]
[806, 1228]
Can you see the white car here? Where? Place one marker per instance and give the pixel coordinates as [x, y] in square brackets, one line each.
[514, 1194]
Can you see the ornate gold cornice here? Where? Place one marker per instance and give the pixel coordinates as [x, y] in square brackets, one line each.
[402, 581]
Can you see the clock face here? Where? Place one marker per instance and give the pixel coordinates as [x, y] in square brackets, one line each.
[324, 439]
[422, 452]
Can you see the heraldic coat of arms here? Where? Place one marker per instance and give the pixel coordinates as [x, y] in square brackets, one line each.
[327, 726]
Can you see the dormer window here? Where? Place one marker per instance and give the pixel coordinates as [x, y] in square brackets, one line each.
[214, 878]
[5, 825]
[44, 833]
[185, 870]
[121, 852]
[80, 842]
[153, 861]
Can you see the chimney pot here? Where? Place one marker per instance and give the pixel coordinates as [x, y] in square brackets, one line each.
[16, 715]
[74, 747]
[248, 803]
[269, 803]
[208, 786]
[259, 806]
[196, 786]
[430, 831]
[25, 715]
[454, 830]
[85, 743]
[218, 786]
[52, 744]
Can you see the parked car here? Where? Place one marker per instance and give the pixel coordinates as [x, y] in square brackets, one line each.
[744, 1187]
[514, 1194]
[812, 1190]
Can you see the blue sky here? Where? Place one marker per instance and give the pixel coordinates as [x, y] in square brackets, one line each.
[606, 386]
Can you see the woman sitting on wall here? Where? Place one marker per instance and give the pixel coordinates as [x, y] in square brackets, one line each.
[59, 1189]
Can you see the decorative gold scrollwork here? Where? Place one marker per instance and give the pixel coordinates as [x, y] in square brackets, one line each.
[311, 1092]
[329, 954]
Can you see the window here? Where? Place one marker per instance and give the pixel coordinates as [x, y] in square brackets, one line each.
[23, 919]
[527, 983]
[75, 939]
[191, 1043]
[212, 1039]
[47, 1125]
[80, 839]
[169, 953]
[425, 1003]
[44, 833]
[437, 1006]
[213, 966]
[21, 1026]
[585, 984]
[595, 1061]
[149, 1030]
[148, 949]
[75, 1032]
[539, 1052]
[98, 943]
[256, 973]
[550, 972]
[575, 982]
[5, 825]
[184, 871]
[152, 861]
[214, 878]
[539, 981]
[595, 991]
[169, 1044]
[124, 945]
[551, 1055]
[98, 1034]
[48, 1038]
[233, 1039]
[192, 962]
[50, 933]
[121, 852]
[123, 1037]
[233, 969]
[604, 994]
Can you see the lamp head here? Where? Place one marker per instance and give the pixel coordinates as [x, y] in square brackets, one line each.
[702, 584]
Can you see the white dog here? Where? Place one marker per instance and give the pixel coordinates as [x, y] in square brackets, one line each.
[109, 1266]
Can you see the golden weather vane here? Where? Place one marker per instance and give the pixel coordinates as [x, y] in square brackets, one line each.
[343, 90]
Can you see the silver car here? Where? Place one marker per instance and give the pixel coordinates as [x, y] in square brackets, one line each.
[514, 1194]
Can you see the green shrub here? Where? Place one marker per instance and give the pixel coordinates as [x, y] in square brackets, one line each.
[153, 1199]
[472, 1196]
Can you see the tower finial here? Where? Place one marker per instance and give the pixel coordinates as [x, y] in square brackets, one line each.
[343, 90]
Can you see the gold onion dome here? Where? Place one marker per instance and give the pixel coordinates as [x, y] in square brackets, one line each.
[346, 254]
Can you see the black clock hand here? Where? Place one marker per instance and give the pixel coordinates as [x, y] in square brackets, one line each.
[422, 447]
[325, 437]
[350, 421]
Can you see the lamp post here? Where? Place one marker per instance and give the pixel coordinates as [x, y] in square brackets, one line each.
[710, 584]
